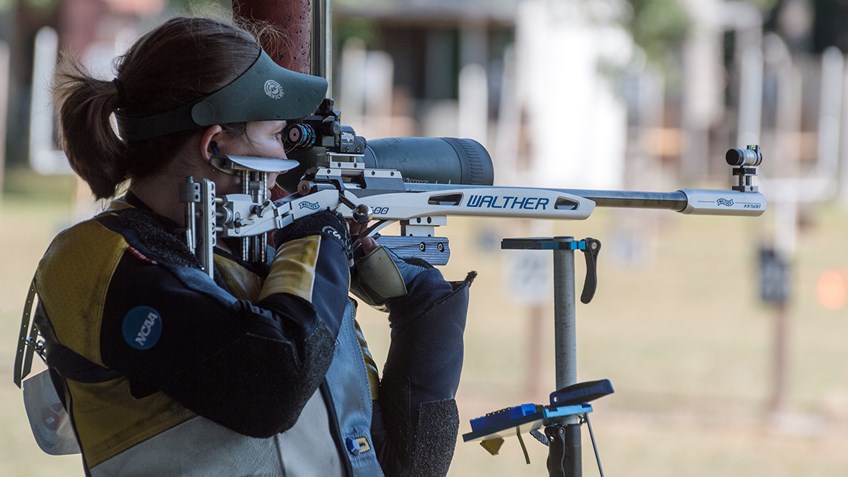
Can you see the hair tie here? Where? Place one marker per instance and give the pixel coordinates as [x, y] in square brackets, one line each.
[122, 94]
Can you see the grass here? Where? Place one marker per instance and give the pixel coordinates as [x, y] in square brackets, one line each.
[681, 335]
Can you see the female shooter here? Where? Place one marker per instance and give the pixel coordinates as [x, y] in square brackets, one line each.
[261, 370]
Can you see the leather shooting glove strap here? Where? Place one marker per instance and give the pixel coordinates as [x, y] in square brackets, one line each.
[377, 276]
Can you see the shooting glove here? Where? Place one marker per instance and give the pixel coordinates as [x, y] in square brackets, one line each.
[382, 275]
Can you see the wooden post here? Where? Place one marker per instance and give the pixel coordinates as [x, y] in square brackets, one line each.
[293, 18]
[780, 359]
[5, 81]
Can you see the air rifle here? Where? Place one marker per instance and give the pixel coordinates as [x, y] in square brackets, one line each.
[416, 182]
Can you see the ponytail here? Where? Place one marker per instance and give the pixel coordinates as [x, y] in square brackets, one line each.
[180, 61]
[93, 148]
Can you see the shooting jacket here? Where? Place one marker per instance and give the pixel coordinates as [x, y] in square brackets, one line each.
[164, 371]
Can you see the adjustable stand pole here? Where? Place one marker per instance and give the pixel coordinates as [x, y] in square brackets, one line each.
[564, 455]
[569, 403]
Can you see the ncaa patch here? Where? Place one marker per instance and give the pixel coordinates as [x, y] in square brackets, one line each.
[142, 327]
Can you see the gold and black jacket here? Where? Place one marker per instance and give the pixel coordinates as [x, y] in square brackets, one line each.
[140, 339]
[264, 370]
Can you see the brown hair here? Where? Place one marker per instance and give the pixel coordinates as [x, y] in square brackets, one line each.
[178, 62]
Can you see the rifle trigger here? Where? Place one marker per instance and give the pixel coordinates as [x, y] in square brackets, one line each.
[593, 246]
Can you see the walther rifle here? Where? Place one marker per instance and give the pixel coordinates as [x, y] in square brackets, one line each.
[416, 182]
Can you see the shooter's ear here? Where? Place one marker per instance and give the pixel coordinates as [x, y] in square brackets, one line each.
[209, 141]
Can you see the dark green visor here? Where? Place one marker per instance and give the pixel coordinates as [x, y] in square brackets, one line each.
[264, 92]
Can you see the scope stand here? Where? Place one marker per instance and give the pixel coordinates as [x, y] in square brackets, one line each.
[569, 405]
[564, 455]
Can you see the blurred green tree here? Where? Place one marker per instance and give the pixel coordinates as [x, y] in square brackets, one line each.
[658, 27]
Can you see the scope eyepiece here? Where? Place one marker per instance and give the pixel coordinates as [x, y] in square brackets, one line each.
[750, 157]
[297, 135]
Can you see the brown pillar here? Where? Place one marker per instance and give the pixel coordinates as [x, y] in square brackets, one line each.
[292, 19]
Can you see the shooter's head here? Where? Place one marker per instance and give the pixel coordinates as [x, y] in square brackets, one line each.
[184, 90]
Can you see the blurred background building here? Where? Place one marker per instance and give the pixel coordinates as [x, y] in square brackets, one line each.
[575, 93]
[584, 90]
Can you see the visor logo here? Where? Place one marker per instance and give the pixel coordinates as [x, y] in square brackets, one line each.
[273, 89]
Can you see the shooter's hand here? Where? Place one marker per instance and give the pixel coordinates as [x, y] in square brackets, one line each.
[362, 245]
[382, 279]
[375, 277]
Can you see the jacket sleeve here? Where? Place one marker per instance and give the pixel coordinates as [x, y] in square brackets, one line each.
[415, 419]
[248, 366]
